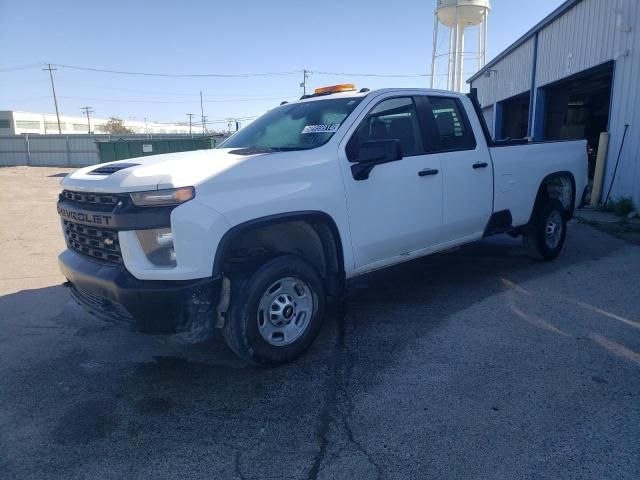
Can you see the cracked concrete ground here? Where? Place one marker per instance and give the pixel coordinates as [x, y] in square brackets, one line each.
[474, 364]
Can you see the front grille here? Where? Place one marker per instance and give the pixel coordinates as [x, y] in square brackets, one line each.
[98, 243]
[96, 199]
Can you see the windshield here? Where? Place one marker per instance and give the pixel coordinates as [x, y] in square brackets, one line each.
[299, 126]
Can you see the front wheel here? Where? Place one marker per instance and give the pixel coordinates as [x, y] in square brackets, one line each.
[548, 230]
[276, 312]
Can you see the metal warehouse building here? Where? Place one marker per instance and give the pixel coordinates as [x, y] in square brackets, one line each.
[574, 75]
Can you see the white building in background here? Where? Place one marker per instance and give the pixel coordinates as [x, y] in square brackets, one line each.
[17, 123]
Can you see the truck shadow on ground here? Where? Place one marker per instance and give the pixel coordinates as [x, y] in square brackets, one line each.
[448, 282]
[121, 387]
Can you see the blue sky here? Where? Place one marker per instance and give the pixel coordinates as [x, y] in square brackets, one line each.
[241, 36]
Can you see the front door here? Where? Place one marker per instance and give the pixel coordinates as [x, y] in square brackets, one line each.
[396, 212]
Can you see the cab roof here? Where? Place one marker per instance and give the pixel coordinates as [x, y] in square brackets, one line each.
[365, 92]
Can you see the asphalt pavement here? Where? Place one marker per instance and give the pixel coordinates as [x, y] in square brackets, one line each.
[479, 363]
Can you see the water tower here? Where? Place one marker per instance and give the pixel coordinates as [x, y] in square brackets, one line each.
[457, 16]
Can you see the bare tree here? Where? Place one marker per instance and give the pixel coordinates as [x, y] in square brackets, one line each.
[116, 125]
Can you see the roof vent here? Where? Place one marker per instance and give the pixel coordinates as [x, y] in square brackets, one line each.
[109, 169]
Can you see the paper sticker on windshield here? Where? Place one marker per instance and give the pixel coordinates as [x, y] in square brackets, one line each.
[328, 128]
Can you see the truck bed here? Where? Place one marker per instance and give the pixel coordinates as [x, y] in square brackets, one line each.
[520, 169]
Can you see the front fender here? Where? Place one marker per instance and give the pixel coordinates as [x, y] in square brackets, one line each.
[197, 231]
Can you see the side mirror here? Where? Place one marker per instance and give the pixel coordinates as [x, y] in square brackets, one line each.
[379, 151]
[372, 153]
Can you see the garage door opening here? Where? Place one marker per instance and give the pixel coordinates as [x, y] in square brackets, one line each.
[513, 117]
[578, 108]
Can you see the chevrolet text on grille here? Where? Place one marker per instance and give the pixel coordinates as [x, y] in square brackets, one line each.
[85, 217]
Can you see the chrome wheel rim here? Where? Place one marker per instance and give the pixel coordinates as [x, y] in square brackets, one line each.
[285, 311]
[553, 229]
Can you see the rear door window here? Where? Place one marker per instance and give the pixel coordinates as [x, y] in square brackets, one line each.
[452, 125]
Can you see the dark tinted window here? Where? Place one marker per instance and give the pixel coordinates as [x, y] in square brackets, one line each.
[451, 124]
[395, 118]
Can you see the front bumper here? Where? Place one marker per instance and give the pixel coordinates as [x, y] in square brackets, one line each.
[147, 306]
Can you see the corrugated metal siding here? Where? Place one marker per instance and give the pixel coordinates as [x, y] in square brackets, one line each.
[512, 76]
[64, 150]
[584, 37]
[625, 108]
[46, 151]
[13, 151]
[83, 151]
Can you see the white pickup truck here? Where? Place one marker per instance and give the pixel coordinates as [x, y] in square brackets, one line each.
[252, 237]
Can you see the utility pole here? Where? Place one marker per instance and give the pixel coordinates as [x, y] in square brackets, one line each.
[87, 110]
[303, 84]
[204, 125]
[190, 115]
[55, 100]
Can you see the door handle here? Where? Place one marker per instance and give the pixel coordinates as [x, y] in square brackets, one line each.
[428, 171]
[478, 165]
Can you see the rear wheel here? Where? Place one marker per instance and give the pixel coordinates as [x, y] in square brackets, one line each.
[548, 230]
[276, 312]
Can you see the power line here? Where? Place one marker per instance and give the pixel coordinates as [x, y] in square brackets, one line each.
[218, 75]
[30, 99]
[22, 67]
[209, 122]
[22, 83]
[198, 124]
[185, 75]
[163, 93]
[241, 75]
[214, 122]
[381, 75]
[254, 99]
[229, 100]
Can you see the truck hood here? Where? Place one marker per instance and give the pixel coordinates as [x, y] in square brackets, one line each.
[170, 170]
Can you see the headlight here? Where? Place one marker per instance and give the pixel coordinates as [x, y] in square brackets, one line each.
[158, 198]
[157, 244]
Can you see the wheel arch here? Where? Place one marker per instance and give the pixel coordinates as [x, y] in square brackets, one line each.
[330, 266]
[549, 189]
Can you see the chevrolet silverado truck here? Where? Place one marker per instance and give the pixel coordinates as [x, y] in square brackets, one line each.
[253, 237]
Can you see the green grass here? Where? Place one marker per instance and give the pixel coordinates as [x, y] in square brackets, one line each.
[622, 206]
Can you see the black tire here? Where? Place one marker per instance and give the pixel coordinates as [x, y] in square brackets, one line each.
[541, 243]
[241, 329]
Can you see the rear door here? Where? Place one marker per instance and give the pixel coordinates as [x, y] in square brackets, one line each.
[467, 172]
[397, 210]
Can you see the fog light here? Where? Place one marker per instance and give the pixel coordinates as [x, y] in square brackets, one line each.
[158, 246]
